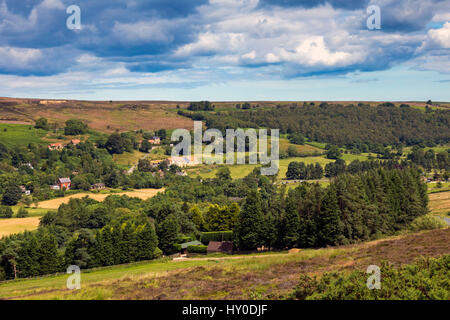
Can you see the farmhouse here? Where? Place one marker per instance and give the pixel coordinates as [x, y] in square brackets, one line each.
[155, 140]
[183, 161]
[98, 186]
[64, 183]
[220, 246]
[74, 142]
[55, 146]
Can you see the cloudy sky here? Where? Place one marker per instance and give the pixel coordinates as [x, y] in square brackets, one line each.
[225, 50]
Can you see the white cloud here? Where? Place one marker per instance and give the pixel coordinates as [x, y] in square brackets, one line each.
[441, 36]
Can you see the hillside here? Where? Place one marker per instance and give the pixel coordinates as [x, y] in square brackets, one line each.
[262, 276]
[108, 116]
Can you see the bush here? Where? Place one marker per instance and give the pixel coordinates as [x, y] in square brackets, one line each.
[427, 222]
[197, 249]
[206, 237]
[176, 247]
[426, 279]
[6, 212]
[22, 213]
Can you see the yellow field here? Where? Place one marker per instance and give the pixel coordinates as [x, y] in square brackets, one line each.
[440, 202]
[17, 225]
[143, 194]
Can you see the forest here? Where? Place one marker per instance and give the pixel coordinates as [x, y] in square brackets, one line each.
[354, 126]
[88, 233]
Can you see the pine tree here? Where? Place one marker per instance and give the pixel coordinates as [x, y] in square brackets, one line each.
[168, 234]
[248, 231]
[328, 220]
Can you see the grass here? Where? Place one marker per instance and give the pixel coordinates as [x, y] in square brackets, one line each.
[240, 171]
[20, 135]
[432, 187]
[128, 158]
[260, 276]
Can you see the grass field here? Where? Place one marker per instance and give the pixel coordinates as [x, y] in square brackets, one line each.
[235, 277]
[143, 194]
[20, 134]
[128, 158]
[240, 171]
[18, 225]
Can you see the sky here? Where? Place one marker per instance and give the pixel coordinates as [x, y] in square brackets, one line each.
[225, 50]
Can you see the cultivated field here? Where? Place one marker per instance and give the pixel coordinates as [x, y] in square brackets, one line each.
[270, 276]
[17, 225]
[440, 202]
[143, 194]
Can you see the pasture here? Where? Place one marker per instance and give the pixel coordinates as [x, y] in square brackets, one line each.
[13, 135]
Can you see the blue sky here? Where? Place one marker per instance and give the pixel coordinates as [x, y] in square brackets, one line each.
[225, 50]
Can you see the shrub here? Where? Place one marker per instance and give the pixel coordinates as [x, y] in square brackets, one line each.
[427, 222]
[176, 247]
[206, 237]
[197, 249]
[22, 213]
[6, 212]
[426, 279]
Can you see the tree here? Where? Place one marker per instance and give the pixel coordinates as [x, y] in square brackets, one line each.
[247, 232]
[75, 127]
[224, 174]
[115, 144]
[334, 153]
[12, 195]
[41, 123]
[297, 138]
[197, 218]
[145, 146]
[168, 234]
[22, 213]
[10, 255]
[6, 212]
[144, 165]
[328, 220]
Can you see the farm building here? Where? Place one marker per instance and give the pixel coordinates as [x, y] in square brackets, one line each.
[55, 146]
[185, 245]
[74, 142]
[220, 246]
[183, 161]
[98, 186]
[155, 140]
[64, 183]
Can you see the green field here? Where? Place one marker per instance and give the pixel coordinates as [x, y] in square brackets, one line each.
[13, 135]
[240, 171]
